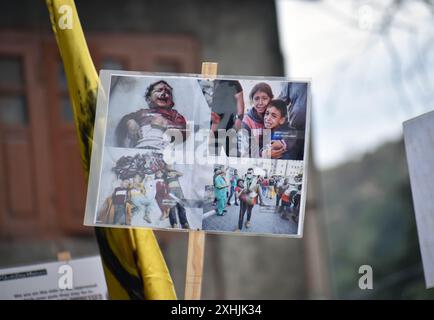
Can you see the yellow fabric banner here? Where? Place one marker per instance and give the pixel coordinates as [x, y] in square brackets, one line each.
[133, 264]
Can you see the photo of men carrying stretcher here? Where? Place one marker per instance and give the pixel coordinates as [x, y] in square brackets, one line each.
[255, 199]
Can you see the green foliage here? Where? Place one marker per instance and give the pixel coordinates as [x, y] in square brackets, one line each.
[370, 220]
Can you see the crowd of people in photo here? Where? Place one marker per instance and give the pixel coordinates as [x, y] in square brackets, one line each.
[145, 180]
[249, 190]
[270, 127]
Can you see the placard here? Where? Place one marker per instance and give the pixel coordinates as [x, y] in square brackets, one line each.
[419, 145]
[181, 152]
[77, 279]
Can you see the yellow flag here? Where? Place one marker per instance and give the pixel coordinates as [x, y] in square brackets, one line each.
[133, 264]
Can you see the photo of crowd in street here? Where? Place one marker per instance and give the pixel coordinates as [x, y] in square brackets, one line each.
[259, 123]
[260, 197]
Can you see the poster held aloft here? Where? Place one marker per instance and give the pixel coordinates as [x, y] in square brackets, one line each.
[173, 151]
[160, 140]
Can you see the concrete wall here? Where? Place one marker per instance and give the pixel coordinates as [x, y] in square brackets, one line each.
[241, 35]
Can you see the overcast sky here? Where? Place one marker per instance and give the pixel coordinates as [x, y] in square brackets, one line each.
[365, 83]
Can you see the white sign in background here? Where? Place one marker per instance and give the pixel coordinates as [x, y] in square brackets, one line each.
[77, 279]
[419, 145]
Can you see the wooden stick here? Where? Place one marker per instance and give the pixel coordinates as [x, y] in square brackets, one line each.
[196, 239]
[193, 278]
[64, 256]
[209, 69]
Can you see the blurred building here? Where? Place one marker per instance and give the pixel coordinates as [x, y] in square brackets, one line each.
[287, 168]
[42, 191]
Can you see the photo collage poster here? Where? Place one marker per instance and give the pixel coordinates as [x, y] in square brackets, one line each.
[183, 152]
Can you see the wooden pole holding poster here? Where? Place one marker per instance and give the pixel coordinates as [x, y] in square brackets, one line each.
[63, 256]
[196, 239]
[195, 255]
